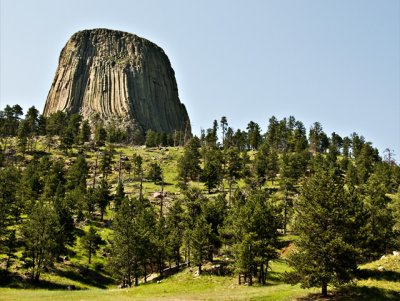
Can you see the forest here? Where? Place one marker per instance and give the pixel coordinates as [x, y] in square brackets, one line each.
[125, 208]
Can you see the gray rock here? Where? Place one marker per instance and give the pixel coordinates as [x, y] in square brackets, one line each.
[117, 77]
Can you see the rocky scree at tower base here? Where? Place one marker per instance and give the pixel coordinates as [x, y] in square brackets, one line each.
[113, 76]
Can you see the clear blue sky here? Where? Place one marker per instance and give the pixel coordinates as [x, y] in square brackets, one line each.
[336, 62]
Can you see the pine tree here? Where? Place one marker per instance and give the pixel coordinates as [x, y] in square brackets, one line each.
[40, 233]
[175, 226]
[119, 195]
[377, 235]
[155, 173]
[85, 132]
[131, 242]
[327, 225]
[10, 205]
[254, 221]
[189, 163]
[77, 174]
[103, 196]
[200, 241]
[91, 242]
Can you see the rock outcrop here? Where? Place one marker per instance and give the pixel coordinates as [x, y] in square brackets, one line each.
[114, 75]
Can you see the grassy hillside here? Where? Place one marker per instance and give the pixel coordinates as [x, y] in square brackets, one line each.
[379, 280]
[185, 285]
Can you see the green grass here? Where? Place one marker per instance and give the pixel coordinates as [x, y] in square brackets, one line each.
[182, 286]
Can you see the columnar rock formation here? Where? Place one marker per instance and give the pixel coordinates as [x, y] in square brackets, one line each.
[118, 76]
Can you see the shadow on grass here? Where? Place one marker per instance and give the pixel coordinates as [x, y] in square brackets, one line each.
[79, 274]
[13, 280]
[87, 277]
[364, 293]
[378, 275]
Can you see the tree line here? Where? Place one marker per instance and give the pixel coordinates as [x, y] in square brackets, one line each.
[331, 192]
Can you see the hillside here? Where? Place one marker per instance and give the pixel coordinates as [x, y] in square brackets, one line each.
[89, 212]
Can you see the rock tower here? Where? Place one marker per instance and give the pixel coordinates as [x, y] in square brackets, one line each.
[113, 75]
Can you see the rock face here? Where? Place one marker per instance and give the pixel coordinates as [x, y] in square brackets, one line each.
[114, 75]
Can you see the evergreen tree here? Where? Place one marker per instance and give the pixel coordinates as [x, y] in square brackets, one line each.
[103, 197]
[212, 172]
[56, 123]
[200, 242]
[106, 161]
[55, 180]
[40, 233]
[91, 242]
[175, 227]
[189, 163]
[77, 174]
[119, 195]
[130, 245]
[100, 135]
[155, 173]
[10, 207]
[151, 138]
[85, 132]
[224, 125]
[215, 211]
[253, 224]
[22, 134]
[254, 135]
[137, 165]
[319, 142]
[377, 232]
[327, 225]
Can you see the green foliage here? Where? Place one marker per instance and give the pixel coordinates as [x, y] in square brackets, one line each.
[254, 135]
[77, 174]
[91, 242]
[103, 197]
[10, 207]
[151, 138]
[200, 241]
[377, 236]
[106, 161]
[155, 173]
[119, 194]
[252, 226]
[131, 239]
[85, 132]
[328, 225]
[40, 233]
[212, 172]
[189, 163]
[242, 224]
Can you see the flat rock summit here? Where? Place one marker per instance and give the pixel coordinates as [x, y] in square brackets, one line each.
[117, 76]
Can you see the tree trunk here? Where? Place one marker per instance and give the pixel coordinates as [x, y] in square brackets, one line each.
[199, 269]
[285, 216]
[95, 172]
[230, 192]
[262, 275]
[141, 187]
[324, 289]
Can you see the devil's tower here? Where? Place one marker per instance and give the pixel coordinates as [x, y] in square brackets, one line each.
[114, 75]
